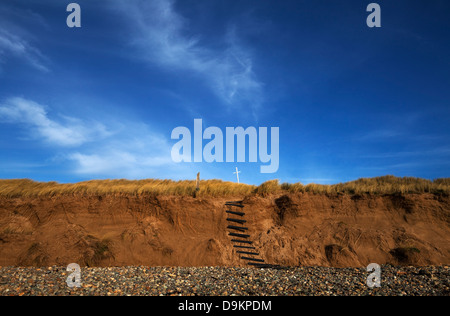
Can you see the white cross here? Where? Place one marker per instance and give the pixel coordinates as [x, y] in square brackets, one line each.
[237, 174]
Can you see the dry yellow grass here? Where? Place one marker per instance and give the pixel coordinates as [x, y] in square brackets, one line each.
[377, 185]
[29, 188]
[219, 188]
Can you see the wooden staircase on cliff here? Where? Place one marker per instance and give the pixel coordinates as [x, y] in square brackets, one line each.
[242, 243]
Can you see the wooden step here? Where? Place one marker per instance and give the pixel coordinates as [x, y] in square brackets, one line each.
[240, 221]
[238, 235]
[244, 247]
[235, 213]
[235, 202]
[236, 205]
[261, 265]
[242, 241]
[239, 228]
[248, 253]
[252, 259]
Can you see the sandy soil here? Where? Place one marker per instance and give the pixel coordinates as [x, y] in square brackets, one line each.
[290, 230]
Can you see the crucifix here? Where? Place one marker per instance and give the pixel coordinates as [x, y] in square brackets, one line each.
[237, 174]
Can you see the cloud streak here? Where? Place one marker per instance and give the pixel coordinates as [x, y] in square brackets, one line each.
[92, 148]
[133, 152]
[34, 116]
[159, 33]
[119, 162]
[12, 45]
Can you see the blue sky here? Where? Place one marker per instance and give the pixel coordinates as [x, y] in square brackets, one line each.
[101, 101]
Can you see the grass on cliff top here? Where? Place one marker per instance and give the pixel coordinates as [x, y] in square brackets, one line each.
[218, 188]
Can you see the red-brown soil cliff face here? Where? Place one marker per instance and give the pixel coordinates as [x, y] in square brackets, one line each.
[294, 229]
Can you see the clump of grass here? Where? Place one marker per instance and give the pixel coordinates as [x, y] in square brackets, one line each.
[219, 188]
[378, 185]
[268, 187]
[29, 188]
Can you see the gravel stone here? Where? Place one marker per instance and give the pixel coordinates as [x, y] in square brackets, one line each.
[225, 281]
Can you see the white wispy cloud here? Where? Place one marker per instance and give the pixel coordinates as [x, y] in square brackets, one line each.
[128, 149]
[133, 152]
[71, 132]
[159, 33]
[12, 45]
[120, 163]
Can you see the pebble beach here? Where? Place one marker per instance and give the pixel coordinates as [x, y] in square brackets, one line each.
[225, 281]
